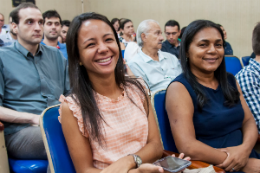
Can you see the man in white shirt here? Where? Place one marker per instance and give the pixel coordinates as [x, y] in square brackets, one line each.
[2, 22]
[9, 37]
[157, 68]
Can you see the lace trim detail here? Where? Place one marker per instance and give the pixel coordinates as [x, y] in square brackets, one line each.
[76, 113]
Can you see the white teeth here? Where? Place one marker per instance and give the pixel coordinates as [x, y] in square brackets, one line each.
[104, 60]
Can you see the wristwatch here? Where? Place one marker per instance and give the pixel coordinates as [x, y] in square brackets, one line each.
[137, 159]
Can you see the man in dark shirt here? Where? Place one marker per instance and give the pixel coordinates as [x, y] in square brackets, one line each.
[172, 32]
[32, 78]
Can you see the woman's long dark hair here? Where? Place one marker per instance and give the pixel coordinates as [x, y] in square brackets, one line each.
[81, 86]
[231, 94]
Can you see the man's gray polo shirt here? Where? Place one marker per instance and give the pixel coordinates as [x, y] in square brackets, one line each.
[31, 83]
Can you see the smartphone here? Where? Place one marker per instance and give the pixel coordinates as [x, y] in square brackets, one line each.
[172, 164]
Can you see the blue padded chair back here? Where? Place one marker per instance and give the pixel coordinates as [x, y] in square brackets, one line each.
[245, 60]
[233, 64]
[123, 53]
[56, 147]
[158, 100]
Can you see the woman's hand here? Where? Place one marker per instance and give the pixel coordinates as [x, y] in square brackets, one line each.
[237, 158]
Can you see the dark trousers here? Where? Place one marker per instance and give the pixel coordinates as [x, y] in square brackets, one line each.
[26, 144]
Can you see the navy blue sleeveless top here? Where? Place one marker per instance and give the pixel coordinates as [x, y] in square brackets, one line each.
[217, 125]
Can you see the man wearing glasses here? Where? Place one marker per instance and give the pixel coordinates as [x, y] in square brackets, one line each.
[172, 32]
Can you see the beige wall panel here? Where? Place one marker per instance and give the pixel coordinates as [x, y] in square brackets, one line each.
[68, 9]
[237, 16]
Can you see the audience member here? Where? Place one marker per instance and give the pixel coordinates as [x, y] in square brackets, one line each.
[227, 47]
[249, 78]
[127, 30]
[157, 68]
[32, 77]
[172, 32]
[2, 22]
[51, 30]
[1, 43]
[131, 50]
[65, 24]
[115, 23]
[209, 117]
[182, 31]
[10, 36]
[99, 131]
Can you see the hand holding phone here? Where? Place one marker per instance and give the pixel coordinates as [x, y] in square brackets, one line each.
[172, 164]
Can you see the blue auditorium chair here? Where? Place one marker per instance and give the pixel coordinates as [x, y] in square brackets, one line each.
[245, 60]
[158, 103]
[54, 142]
[123, 53]
[28, 166]
[233, 64]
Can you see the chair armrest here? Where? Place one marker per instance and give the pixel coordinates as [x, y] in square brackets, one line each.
[194, 164]
[1, 126]
[258, 139]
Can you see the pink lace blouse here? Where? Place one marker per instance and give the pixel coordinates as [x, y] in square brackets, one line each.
[126, 130]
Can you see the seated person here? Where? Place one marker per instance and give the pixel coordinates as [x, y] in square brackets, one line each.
[209, 117]
[115, 23]
[52, 30]
[32, 77]
[182, 31]
[252, 55]
[227, 47]
[65, 24]
[10, 36]
[127, 30]
[157, 68]
[249, 78]
[107, 119]
[172, 32]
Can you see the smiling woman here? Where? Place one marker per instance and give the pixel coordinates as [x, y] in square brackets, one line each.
[209, 117]
[107, 120]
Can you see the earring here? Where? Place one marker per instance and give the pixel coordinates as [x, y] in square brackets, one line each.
[80, 63]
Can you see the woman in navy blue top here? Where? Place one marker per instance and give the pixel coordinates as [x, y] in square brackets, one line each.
[209, 117]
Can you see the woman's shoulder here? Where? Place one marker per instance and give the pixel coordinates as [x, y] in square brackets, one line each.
[181, 79]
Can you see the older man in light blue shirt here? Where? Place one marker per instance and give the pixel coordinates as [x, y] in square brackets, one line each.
[157, 68]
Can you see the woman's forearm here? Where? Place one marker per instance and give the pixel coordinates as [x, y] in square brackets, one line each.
[250, 134]
[151, 152]
[197, 150]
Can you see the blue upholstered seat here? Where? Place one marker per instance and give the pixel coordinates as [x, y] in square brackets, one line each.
[28, 166]
[123, 53]
[158, 100]
[233, 64]
[245, 60]
[54, 142]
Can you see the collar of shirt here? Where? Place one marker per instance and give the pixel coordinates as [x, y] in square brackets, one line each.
[24, 51]
[170, 45]
[59, 45]
[147, 58]
[255, 64]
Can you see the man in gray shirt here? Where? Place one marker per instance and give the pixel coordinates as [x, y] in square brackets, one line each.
[32, 77]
